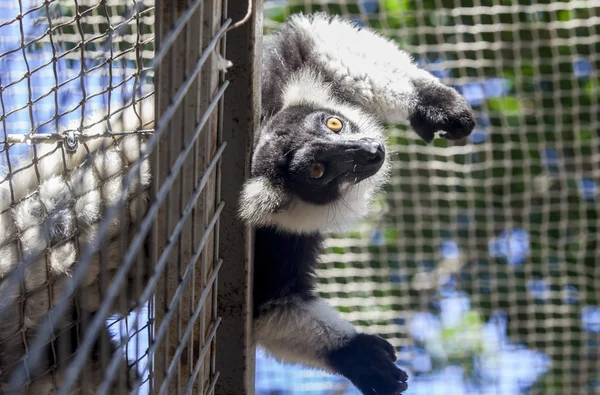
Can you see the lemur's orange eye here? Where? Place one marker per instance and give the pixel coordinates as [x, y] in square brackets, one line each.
[316, 170]
[334, 124]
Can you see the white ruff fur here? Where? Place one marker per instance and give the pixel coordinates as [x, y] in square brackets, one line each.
[301, 332]
[264, 205]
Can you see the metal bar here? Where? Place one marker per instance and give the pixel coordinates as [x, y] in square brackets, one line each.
[197, 366]
[164, 257]
[170, 39]
[89, 338]
[201, 300]
[178, 97]
[211, 385]
[116, 359]
[241, 110]
[186, 334]
[40, 138]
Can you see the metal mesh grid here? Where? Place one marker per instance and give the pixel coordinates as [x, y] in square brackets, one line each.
[190, 100]
[76, 99]
[109, 219]
[480, 260]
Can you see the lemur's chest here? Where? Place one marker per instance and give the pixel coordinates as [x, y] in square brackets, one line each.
[284, 264]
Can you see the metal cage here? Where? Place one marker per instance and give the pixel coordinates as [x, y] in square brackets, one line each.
[119, 235]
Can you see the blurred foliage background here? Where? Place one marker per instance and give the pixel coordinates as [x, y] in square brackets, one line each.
[480, 260]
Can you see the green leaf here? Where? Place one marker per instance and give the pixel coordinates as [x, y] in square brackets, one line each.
[564, 15]
[399, 6]
[585, 134]
[506, 105]
[277, 14]
[591, 87]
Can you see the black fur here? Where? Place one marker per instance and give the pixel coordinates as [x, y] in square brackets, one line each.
[368, 362]
[296, 137]
[284, 265]
[440, 107]
[284, 54]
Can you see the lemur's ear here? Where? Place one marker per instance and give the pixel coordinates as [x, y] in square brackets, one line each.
[438, 107]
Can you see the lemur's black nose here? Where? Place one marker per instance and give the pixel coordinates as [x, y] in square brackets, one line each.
[339, 160]
[363, 158]
[370, 151]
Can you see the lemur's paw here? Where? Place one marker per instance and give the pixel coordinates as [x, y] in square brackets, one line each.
[440, 108]
[368, 362]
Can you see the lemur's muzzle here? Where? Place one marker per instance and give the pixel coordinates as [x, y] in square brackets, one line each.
[354, 160]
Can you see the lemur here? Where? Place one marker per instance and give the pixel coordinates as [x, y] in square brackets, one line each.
[319, 156]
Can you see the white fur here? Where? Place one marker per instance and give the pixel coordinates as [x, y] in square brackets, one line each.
[302, 332]
[9, 260]
[62, 257]
[364, 62]
[307, 86]
[262, 204]
[52, 215]
[33, 242]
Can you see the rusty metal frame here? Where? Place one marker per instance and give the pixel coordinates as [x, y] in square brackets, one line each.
[235, 351]
[202, 339]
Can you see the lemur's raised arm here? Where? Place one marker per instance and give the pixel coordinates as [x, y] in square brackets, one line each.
[318, 158]
[319, 56]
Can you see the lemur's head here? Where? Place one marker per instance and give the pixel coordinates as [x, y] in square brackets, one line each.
[315, 168]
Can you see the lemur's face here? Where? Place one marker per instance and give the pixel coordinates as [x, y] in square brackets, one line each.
[317, 154]
[315, 169]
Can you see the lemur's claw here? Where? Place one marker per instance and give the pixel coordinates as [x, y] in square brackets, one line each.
[368, 361]
[440, 108]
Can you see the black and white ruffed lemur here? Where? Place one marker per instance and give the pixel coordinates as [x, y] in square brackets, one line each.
[319, 156]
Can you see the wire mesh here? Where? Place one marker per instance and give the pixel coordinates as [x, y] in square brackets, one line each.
[109, 219]
[480, 260]
[76, 104]
[190, 87]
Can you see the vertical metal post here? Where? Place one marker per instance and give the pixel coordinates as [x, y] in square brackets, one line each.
[185, 289]
[169, 75]
[235, 352]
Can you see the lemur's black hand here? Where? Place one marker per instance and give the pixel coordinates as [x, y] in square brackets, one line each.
[440, 108]
[368, 362]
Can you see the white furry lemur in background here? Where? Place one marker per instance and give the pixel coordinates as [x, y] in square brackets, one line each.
[319, 156]
[51, 212]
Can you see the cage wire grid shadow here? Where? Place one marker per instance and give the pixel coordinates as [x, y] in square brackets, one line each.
[480, 260]
[110, 195]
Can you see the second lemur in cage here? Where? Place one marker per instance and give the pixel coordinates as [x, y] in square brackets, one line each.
[319, 156]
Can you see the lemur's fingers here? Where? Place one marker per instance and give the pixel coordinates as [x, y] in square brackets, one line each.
[366, 361]
[439, 108]
[385, 345]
